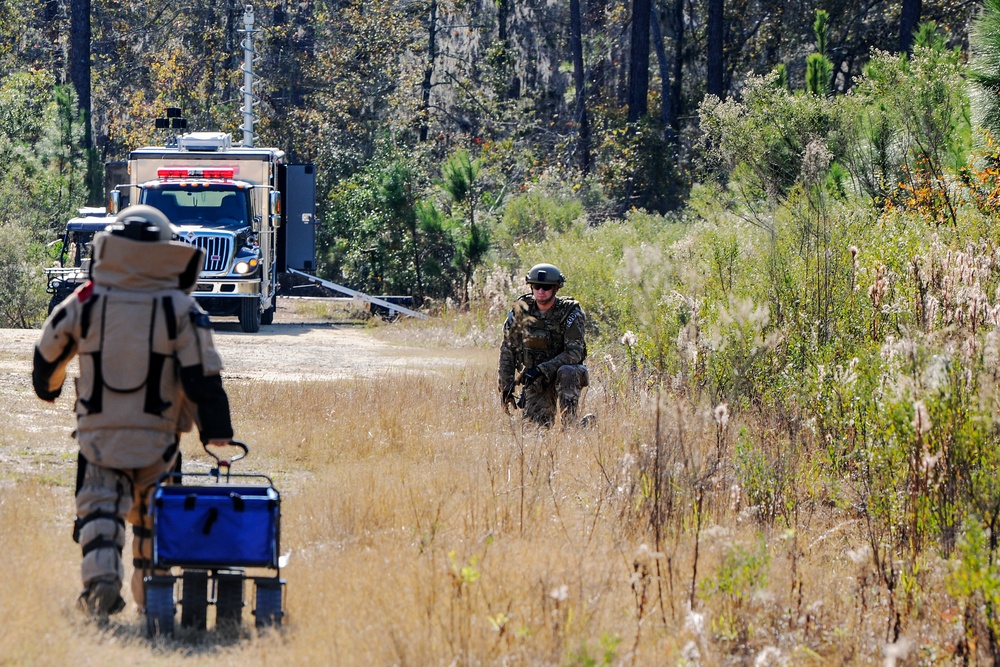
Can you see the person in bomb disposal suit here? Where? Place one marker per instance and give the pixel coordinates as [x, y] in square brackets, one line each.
[543, 350]
[145, 350]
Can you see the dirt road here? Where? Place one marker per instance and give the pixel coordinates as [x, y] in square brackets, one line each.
[297, 347]
[318, 351]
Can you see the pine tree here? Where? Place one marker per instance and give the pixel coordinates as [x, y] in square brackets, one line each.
[819, 69]
[984, 67]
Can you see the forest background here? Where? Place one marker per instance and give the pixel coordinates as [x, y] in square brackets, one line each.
[779, 214]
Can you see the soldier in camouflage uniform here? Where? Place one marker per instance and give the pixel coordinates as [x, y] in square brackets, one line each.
[145, 350]
[543, 350]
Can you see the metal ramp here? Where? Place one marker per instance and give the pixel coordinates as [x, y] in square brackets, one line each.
[388, 305]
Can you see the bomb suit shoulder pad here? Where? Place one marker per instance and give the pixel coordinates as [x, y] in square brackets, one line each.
[200, 349]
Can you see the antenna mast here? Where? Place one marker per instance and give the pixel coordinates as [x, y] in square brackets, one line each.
[249, 100]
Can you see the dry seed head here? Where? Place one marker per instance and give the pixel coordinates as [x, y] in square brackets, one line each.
[860, 555]
[770, 656]
[610, 361]
[694, 623]
[929, 461]
[644, 552]
[735, 495]
[721, 415]
[921, 418]
[896, 651]
[815, 161]
[690, 653]
[931, 307]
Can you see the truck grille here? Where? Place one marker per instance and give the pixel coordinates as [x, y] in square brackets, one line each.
[218, 250]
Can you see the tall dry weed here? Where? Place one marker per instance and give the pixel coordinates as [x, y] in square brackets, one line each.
[424, 526]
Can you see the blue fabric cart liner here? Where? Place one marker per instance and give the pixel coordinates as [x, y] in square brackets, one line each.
[215, 525]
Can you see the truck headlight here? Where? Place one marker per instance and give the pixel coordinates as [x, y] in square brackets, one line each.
[245, 266]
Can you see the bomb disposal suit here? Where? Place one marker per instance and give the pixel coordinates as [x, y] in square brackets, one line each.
[543, 351]
[145, 348]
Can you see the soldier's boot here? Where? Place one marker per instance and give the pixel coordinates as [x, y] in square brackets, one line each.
[102, 598]
[100, 531]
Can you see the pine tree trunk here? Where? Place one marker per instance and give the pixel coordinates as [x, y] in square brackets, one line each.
[638, 73]
[715, 44]
[909, 18]
[425, 86]
[579, 80]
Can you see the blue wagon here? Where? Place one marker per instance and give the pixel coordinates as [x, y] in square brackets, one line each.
[208, 528]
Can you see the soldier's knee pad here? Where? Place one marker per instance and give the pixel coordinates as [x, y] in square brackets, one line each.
[570, 379]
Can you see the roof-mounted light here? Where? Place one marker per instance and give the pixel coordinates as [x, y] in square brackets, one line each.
[188, 172]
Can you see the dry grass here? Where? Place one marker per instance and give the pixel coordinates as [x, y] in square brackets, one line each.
[322, 309]
[426, 528]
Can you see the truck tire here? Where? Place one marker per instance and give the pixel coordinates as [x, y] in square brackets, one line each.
[268, 315]
[250, 314]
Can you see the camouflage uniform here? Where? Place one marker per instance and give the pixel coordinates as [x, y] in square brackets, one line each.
[553, 342]
[145, 348]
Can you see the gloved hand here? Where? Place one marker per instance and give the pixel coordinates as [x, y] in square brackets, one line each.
[507, 397]
[530, 375]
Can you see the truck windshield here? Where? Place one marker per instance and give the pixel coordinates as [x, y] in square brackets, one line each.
[215, 207]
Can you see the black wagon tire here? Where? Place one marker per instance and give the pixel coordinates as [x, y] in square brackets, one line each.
[159, 607]
[229, 598]
[267, 608]
[194, 599]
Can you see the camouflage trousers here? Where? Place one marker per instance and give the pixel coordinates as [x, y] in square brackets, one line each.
[105, 500]
[544, 400]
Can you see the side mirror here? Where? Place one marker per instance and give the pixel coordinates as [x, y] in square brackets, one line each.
[115, 202]
[275, 206]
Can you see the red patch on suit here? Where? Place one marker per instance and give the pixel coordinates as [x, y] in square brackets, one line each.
[84, 291]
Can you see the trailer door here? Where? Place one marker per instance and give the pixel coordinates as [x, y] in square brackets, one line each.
[297, 234]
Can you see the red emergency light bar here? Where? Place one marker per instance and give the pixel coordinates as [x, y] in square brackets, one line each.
[188, 172]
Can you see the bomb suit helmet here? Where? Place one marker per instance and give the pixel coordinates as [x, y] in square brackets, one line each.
[143, 223]
[546, 275]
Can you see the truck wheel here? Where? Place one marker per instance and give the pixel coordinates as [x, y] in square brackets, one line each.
[250, 314]
[268, 316]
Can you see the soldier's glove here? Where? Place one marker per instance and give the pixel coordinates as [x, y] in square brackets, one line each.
[530, 375]
[507, 398]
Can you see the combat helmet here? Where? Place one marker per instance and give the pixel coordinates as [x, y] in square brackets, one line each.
[142, 223]
[545, 274]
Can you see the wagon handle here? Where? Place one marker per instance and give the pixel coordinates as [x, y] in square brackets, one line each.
[220, 462]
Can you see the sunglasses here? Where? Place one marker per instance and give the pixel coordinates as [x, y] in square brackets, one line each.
[543, 288]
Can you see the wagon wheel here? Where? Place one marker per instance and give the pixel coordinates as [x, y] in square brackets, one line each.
[268, 606]
[229, 598]
[194, 599]
[159, 606]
